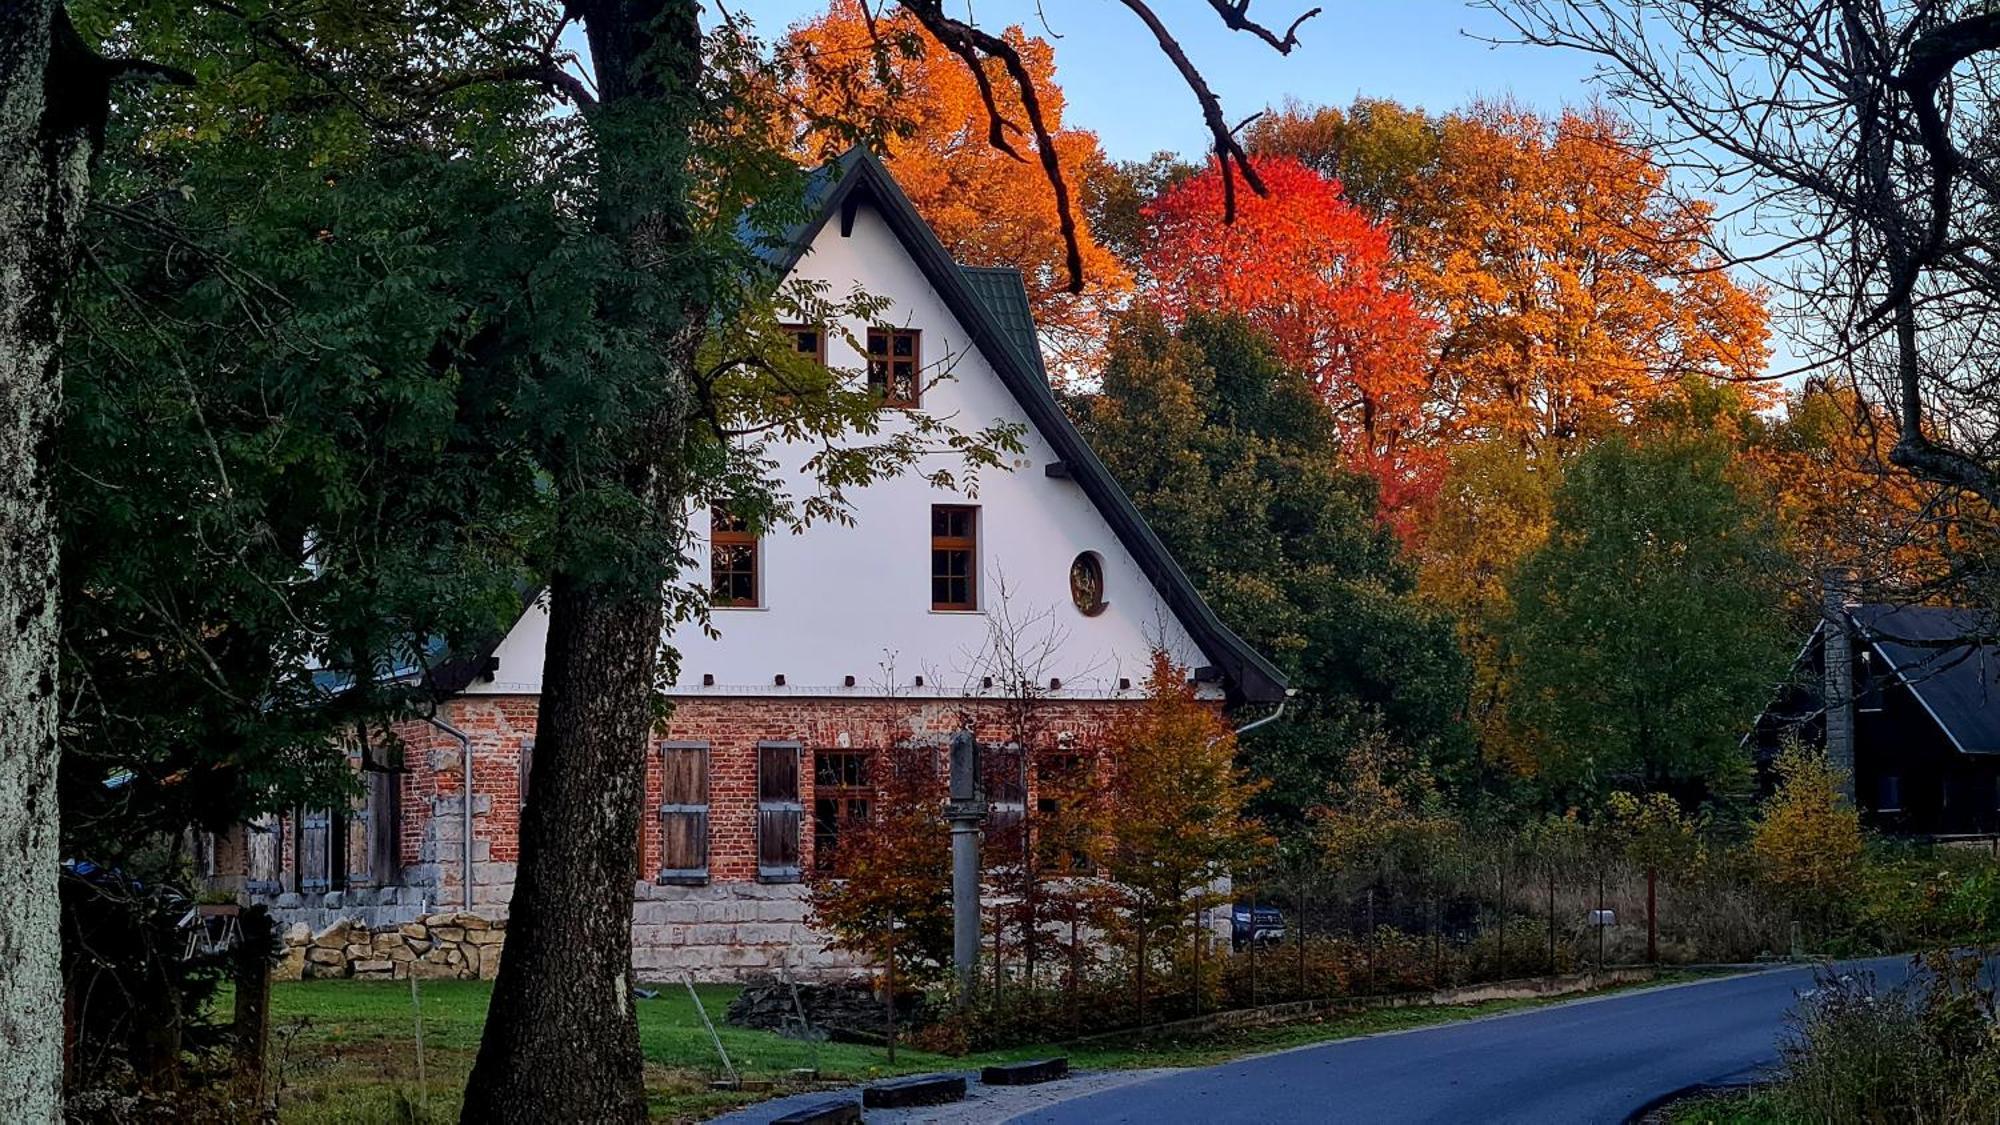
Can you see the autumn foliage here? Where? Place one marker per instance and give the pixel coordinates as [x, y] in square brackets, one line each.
[988, 208]
[1314, 274]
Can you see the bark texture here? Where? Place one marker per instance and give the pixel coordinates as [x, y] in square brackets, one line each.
[46, 138]
[561, 1041]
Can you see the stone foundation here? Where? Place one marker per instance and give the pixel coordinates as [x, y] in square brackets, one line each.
[432, 947]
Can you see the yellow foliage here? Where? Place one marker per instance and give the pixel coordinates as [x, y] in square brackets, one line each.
[1809, 839]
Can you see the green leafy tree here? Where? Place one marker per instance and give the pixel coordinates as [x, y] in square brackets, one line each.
[1235, 462]
[1650, 622]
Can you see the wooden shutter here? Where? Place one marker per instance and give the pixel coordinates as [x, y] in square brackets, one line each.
[385, 828]
[684, 812]
[780, 813]
[311, 851]
[264, 840]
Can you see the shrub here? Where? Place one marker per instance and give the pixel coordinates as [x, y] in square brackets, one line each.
[1924, 1051]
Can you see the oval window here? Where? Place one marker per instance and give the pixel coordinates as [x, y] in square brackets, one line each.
[1086, 584]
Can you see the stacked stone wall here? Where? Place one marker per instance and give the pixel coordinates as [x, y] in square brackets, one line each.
[451, 946]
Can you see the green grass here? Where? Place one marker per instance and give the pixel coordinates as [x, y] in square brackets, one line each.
[345, 1051]
[1752, 1107]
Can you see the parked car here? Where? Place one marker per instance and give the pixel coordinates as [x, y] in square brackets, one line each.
[1250, 923]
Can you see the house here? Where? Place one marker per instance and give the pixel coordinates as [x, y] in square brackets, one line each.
[828, 646]
[1907, 699]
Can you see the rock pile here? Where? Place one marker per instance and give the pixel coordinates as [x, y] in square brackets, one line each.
[434, 947]
[837, 1008]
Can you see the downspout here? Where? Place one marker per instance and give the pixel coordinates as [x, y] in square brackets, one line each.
[1273, 717]
[465, 764]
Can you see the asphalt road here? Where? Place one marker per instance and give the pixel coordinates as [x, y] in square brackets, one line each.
[1592, 1061]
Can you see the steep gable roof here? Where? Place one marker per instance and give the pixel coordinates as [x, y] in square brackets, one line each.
[1949, 659]
[992, 306]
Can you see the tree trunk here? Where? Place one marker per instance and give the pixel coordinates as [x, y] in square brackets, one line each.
[51, 107]
[562, 1039]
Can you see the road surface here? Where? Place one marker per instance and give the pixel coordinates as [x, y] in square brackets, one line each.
[1592, 1061]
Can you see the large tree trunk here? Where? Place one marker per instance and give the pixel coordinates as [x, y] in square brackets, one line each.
[562, 1037]
[45, 150]
[562, 1041]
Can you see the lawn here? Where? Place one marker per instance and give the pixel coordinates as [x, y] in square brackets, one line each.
[345, 1051]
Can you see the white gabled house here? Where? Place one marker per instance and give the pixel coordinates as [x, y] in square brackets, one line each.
[829, 644]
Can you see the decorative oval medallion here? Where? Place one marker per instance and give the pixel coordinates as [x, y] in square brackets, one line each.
[1086, 584]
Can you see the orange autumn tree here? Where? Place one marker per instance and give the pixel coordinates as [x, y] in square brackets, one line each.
[1176, 818]
[1313, 273]
[896, 87]
[1572, 285]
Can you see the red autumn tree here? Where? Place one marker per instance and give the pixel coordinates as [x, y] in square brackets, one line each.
[887, 895]
[1313, 273]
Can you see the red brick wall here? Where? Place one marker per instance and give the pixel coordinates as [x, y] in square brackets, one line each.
[499, 724]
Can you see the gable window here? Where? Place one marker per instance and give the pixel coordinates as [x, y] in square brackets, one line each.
[842, 798]
[779, 812]
[684, 812]
[954, 556]
[807, 340]
[732, 560]
[892, 365]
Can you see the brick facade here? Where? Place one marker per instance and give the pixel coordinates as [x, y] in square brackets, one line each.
[732, 926]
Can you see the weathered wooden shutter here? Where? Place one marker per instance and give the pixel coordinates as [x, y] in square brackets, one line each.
[311, 851]
[262, 839]
[684, 812]
[780, 813]
[385, 828]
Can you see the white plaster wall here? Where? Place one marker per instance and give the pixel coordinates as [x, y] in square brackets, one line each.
[841, 601]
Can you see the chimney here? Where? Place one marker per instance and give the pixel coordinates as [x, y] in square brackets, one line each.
[1837, 672]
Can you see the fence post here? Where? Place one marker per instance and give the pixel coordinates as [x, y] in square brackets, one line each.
[253, 1003]
[1600, 918]
[1552, 920]
[1300, 943]
[1652, 917]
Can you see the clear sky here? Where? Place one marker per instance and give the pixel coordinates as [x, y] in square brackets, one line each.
[1427, 53]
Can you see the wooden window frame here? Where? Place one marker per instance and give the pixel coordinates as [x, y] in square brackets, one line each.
[734, 538]
[968, 544]
[670, 810]
[882, 360]
[794, 331]
[825, 839]
[778, 810]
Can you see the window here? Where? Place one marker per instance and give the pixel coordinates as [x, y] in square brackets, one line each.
[684, 812]
[1889, 793]
[893, 365]
[954, 556]
[527, 768]
[1006, 785]
[779, 813]
[732, 548]
[842, 797]
[808, 340]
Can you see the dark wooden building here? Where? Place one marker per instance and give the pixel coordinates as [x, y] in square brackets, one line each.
[1916, 712]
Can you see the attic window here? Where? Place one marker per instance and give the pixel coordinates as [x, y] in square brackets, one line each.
[893, 359]
[807, 340]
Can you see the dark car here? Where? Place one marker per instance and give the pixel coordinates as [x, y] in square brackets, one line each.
[1250, 923]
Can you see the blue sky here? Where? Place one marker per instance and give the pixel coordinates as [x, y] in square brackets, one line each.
[1421, 52]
